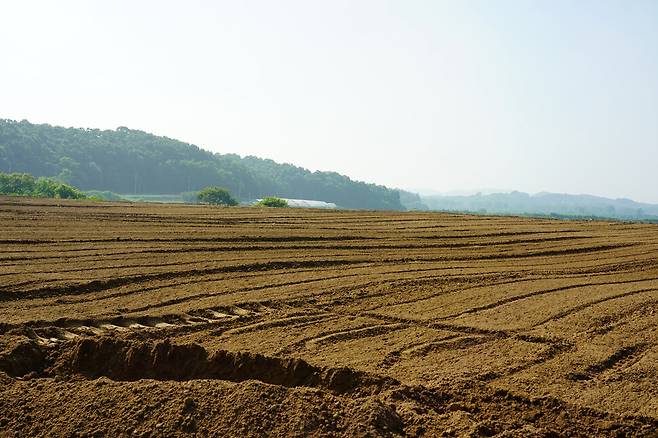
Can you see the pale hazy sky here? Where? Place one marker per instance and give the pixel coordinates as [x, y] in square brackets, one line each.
[547, 95]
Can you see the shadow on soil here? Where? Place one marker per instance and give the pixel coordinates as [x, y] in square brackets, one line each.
[123, 360]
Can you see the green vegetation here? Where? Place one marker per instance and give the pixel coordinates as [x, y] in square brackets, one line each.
[23, 184]
[272, 201]
[129, 161]
[105, 195]
[216, 196]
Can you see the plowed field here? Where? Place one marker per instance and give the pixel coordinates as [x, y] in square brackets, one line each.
[163, 320]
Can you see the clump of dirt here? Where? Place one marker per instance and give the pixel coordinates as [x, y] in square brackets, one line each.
[23, 357]
[134, 360]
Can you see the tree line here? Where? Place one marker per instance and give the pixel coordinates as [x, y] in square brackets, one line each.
[135, 162]
[23, 184]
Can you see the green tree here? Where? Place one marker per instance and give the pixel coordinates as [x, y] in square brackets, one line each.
[216, 196]
[16, 184]
[23, 184]
[48, 188]
[272, 201]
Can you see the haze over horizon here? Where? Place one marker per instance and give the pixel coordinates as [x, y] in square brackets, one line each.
[554, 96]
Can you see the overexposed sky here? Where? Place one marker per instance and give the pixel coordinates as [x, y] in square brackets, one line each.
[546, 95]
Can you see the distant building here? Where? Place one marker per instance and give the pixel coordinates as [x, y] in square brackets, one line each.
[303, 203]
[309, 203]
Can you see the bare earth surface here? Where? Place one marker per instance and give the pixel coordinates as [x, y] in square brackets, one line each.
[145, 320]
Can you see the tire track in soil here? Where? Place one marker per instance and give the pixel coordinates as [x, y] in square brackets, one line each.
[280, 322]
[622, 358]
[458, 329]
[236, 239]
[383, 246]
[610, 322]
[603, 268]
[50, 332]
[102, 285]
[493, 256]
[361, 332]
[589, 304]
[355, 333]
[538, 293]
[187, 298]
[555, 349]
[584, 273]
[453, 342]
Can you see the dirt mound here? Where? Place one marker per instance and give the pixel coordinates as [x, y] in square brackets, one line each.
[135, 360]
[351, 403]
[147, 408]
[22, 358]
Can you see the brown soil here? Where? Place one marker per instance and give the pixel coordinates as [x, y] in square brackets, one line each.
[165, 320]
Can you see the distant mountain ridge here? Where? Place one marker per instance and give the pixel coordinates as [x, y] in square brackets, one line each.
[545, 204]
[135, 162]
[129, 161]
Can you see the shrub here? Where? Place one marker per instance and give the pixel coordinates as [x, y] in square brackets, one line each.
[272, 201]
[23, 184]
[103, 195]
[216, 196]
[16, 184]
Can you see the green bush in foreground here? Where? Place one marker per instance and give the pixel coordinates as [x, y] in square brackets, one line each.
[272, 201]
[24, 184]
[215, 196]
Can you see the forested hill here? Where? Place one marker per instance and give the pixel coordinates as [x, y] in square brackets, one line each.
[130, 161]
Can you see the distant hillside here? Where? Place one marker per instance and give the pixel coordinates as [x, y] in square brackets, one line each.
[545, 204]
[135, 162]
[412, 201]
